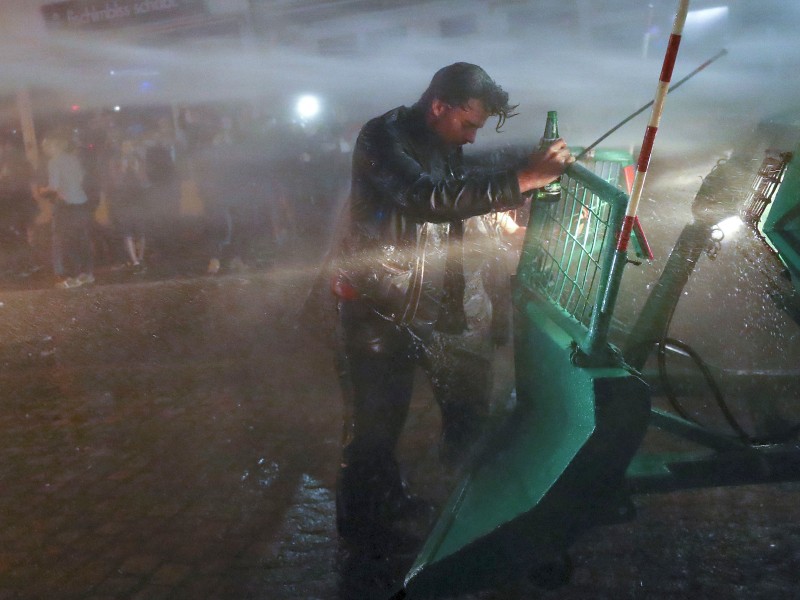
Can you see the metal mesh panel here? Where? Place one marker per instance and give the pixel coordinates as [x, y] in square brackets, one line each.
[570, 237]
[764, 187]
[570, 266]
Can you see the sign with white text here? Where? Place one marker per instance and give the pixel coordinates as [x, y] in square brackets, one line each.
[107, 14]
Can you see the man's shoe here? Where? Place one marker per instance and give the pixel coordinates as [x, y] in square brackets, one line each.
[237, 265]
[69, 283]
[411, 507]
[368, 526]
[382, 541]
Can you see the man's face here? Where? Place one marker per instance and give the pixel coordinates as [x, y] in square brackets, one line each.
[457, 125]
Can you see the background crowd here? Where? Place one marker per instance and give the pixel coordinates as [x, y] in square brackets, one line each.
[201, 189]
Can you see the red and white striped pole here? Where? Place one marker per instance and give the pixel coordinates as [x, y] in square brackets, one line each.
[631, 220]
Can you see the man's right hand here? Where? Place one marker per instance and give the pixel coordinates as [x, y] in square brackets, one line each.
[544, 165]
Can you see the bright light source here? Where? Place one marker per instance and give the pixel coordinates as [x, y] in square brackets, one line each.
[117, 108]
[75, 107]
[706, 16]
[730, 225]
[308, 107]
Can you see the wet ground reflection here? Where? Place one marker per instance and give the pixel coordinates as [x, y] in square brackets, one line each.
[180, 438]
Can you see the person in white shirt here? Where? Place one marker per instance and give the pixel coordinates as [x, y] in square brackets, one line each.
[73, 260]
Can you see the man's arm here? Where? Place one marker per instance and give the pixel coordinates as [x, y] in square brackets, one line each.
[385, 161]
[544, 166]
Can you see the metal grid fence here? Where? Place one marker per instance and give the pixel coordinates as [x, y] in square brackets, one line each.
[764, 187]
[571, 241]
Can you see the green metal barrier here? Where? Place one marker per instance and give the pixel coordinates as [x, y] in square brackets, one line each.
[782, 225]
[569, 457]
[569, 256]
[704, 456]
[557, 467]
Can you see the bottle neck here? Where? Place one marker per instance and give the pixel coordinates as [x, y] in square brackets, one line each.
[551, 126]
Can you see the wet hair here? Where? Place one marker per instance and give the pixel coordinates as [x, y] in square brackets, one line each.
[460, 82]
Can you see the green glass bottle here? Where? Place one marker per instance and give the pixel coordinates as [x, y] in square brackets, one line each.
[552, 191]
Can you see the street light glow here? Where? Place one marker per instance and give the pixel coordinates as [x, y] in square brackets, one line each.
[308, 107]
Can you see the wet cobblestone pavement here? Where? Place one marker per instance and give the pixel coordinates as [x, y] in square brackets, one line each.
[179, 439]
[177, 436]
[158, 439]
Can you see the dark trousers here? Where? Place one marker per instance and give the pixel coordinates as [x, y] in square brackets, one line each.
[376, 361]
[72, 240]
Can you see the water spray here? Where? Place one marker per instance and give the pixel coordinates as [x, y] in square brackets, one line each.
[652, 126]
[672, 88]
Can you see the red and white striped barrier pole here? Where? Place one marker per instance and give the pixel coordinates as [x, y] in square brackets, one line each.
[631, 220]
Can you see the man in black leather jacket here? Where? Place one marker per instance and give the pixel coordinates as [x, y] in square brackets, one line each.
[400, 276]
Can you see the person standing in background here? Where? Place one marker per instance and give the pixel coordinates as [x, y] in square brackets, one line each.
[125, 189]
[18, 209]
[163, 192]
[72, 215]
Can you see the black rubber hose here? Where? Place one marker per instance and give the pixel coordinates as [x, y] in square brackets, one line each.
[663, 344]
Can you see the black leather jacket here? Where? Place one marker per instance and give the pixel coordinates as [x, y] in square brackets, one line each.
[408, 192]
